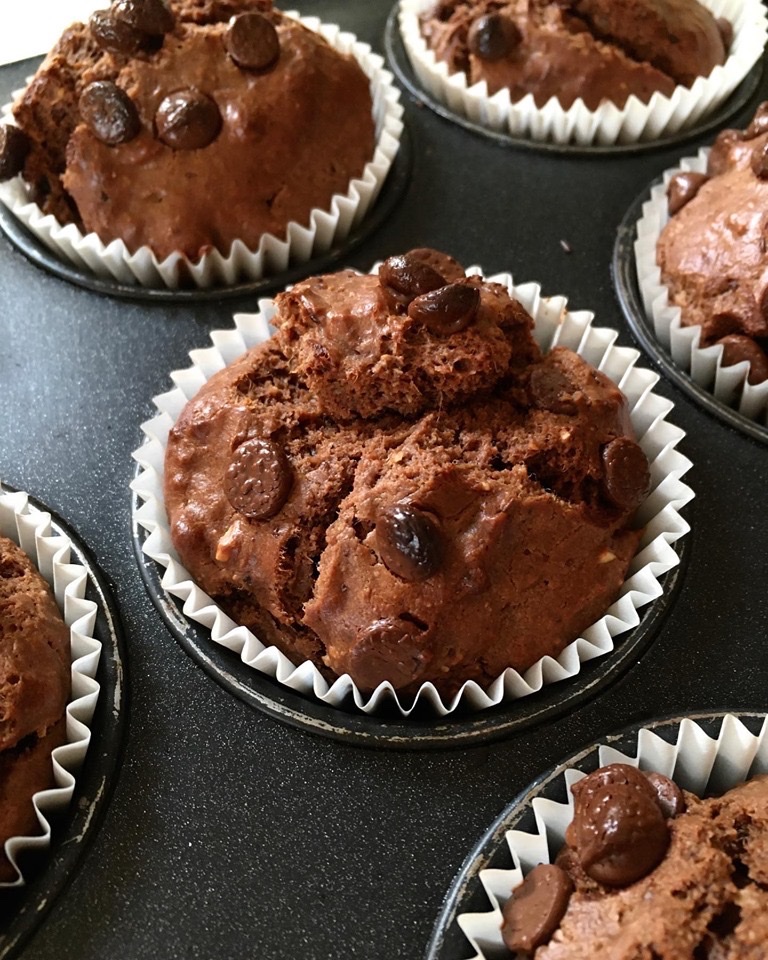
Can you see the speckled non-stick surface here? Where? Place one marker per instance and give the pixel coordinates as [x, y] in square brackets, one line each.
[230, 834]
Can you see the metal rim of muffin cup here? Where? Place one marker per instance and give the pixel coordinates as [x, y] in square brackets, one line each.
[705, 752]
[328, 234]
[642, 321]
[554, 324]
[456, 88]
[87, 599]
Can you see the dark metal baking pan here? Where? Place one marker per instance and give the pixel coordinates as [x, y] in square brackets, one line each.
[23, 909]
[391, 730]
[401, 66]
[628, 291]
[466, 894]
[42, 256]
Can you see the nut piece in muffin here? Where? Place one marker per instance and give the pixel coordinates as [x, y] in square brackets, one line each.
[649, 870]
[596, 50]
[186, 127]
[713, 251]
[398, 486]
[34, 689]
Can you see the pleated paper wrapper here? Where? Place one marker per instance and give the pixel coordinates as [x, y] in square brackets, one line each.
[695, 761]
[608, 125]
[659, 515]
[50, 553]
[728, 384]
[302, 242]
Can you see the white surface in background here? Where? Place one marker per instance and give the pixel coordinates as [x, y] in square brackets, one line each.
[31, 27]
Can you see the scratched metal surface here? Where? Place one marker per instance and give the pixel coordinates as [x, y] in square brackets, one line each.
[229, 834]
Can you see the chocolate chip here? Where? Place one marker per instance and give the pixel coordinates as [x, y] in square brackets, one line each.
[390, 650]
[258, 479]
[551, 390]
[187, 120]
[613, 774]
[446, 310]
[14, 147]
[726, 32]
[114, 35]
[737, 347]
[408, 542]
[147, 16]
[669, 796]
[493, 36]
[405, 277]
[682, 188]
[759, 123]
[252, 41]
[109, 112]
[759, 161]
[627, 478]
[448, 268]
[719, 156]
[621, 834]
[536, 907]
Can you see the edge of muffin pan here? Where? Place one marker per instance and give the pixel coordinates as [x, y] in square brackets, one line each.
[400, 62]
[703, 752]
[96, 715]
[266, 679]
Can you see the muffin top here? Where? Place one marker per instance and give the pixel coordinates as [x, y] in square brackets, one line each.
[596, 50]
[184, 128]
[712, 252]
[398, 486]
[649, 871]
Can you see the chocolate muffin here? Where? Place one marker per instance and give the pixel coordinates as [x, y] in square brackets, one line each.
[712, 252]
[34, 689]
[649, 871]
[186, 127]
[596, 50]
[398, 486]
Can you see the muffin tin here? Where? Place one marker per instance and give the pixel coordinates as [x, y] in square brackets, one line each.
[228, 833]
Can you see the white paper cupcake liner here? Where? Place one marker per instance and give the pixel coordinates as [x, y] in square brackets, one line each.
[659, 514]
[50, 552]
[728, 384]
[301, 243]
[608, 125]
[696, 762]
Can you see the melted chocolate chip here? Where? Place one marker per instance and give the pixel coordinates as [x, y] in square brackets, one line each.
[390, 650]
[759, 123]
[551, 390]
[150, 17]
[536, 907]
[621, 834]
[726, 32]
[719, 156]
[405, 277]
[448, 268]
[187, 120]
[109, 112]
[115, 35]
[258, 479]
[682, 188]
[669, 796]
[252, 41]
[14, 147]
[493, 36]
[408, 542]
[737, 347]
[627, 478]
[446, 310]
[759, 161]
